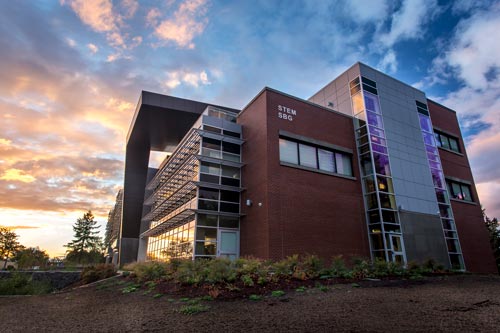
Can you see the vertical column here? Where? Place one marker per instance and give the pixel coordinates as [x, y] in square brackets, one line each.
[382, 215]
[445, 212]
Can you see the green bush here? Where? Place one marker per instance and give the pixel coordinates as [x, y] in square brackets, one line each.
[191, 271]
[362, 268]
[94, 273]
[23, 284]
[149, 270]
[285, 267]
[338, 268]
[220, 270]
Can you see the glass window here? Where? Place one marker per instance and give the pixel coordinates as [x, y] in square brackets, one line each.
[357, 103]
[381, 164]
[230, 181]
[288, 151]
[208, 193]
[229, 207]
[231, 147]
[211, 129]
[230, 196]
[231, 172]
[230, 133]
[209, 178]
[206, 248]
[429, 139]
[208, 220]
[371, 103]
[425, 123]
[211, 168]
[374, 119]
[447, 141]
[454, 145]
[460, 191]
[326, 161]
[229, 222]
[307, 156]
[208, 205]
[343, 163]
[366, 164]
[211, 143]
[206, 234]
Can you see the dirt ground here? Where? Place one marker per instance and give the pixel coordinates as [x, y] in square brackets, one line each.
[467, 303]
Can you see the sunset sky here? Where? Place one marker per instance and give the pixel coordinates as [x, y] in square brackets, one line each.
[71, 72]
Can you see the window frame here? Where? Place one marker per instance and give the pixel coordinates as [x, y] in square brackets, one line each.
[335, 153]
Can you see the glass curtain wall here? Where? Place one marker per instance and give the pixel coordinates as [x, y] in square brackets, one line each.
[445, 212]
[382, 215]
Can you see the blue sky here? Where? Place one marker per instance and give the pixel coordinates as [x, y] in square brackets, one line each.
[72, 71]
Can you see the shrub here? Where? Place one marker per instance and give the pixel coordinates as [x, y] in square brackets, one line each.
[247, 280]
[286, 267]
[361, 269]
[191, 271]
[338, 268]
[149, 270]
[22, 284]
[309, 267]
[94, 273]
[220, 270]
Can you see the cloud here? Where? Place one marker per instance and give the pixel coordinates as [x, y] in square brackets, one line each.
[102, 17]
[367, 11]
[17, 175]
[92, 48]
[98, 14]
[188, 21]
[475, 49]
[388, 62]
[23, 227]
[471, 57]
[194, 79]
[129, 7]
[409, 21]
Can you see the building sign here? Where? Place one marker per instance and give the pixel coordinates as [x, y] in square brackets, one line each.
[286, 113]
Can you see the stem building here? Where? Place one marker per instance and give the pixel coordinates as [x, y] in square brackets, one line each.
[368, 166]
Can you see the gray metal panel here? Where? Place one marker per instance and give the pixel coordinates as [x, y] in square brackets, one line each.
[423, 237]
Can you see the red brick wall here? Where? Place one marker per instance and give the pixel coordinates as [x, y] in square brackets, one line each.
[254, 228]
[473, 236]
[307, 212]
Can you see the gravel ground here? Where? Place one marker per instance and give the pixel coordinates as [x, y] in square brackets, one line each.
[468, 303]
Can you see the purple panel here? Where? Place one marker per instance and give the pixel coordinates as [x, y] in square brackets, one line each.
[429, 139]
[377, 131]
[379, 148]
[435, 165]
[425, 123]
[437, 178]
[381, 164]
[376, 139]
[371, 102]
[374, 119]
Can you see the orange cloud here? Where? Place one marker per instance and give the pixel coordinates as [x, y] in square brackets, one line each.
[188, 22]
[17, 175]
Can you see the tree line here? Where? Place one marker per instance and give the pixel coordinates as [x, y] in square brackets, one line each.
[86, 247]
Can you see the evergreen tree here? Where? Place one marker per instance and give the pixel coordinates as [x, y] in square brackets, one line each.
[86, 246]
[8, 244]
[494, 230]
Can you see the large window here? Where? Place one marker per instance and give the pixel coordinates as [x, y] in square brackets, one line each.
[446, 141]
[315, 157]
[217, 149]
[458, 190]
[219, 174]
